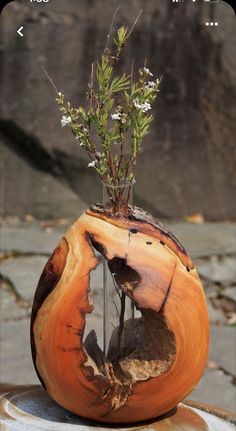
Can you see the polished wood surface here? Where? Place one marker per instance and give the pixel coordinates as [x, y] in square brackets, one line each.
[166, 290]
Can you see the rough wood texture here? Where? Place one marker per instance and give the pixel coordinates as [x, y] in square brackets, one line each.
[170, 344]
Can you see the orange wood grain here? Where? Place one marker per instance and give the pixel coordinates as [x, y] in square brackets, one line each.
[167, 286]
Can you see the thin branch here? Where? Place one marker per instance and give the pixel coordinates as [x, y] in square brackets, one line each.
[117, 311]
[111, 26]
[122, 143]
[115, 285]
[50, 80]
[134, 24]
[131, 73]
[91, 86]
[121, 325]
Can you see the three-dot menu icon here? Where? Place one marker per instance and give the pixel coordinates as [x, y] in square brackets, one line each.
[211, 23]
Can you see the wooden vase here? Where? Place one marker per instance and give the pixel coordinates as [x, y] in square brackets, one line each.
[161, 355]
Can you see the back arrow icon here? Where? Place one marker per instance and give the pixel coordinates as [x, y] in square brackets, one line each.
[19, 31]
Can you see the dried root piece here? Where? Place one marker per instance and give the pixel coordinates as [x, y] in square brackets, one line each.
[160, 356]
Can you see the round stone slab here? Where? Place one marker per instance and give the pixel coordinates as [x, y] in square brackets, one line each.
[29, 408]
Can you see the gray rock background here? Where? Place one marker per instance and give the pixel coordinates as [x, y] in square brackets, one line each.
[187, 163]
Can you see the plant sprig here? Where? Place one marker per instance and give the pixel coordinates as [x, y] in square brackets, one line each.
[118, 117]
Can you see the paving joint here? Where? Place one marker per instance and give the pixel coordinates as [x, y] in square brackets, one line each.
[14, 254]
[213, 255]
[17, 319]
[6, 283]
[227, 373]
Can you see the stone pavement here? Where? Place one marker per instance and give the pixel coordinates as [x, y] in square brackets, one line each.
[25, 249]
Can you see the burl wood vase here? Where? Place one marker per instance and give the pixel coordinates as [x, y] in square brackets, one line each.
[163, 352]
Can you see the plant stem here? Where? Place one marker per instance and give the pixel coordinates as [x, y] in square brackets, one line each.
[121, 325]
[111, 27]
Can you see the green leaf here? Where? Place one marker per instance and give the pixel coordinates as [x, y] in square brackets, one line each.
[120, 83]
[121, 37]
[82, 113]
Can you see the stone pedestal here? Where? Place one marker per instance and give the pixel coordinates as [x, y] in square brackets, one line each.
[29, 408]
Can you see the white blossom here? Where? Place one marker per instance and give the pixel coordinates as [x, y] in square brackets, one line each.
[85, 130]
[116, 116]
[147, 71]
[144, 107]
[136, 104]
[66, 119]
[99, 154]
[59, 94]
[151, 84]
[81, 143]
[92, 164]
